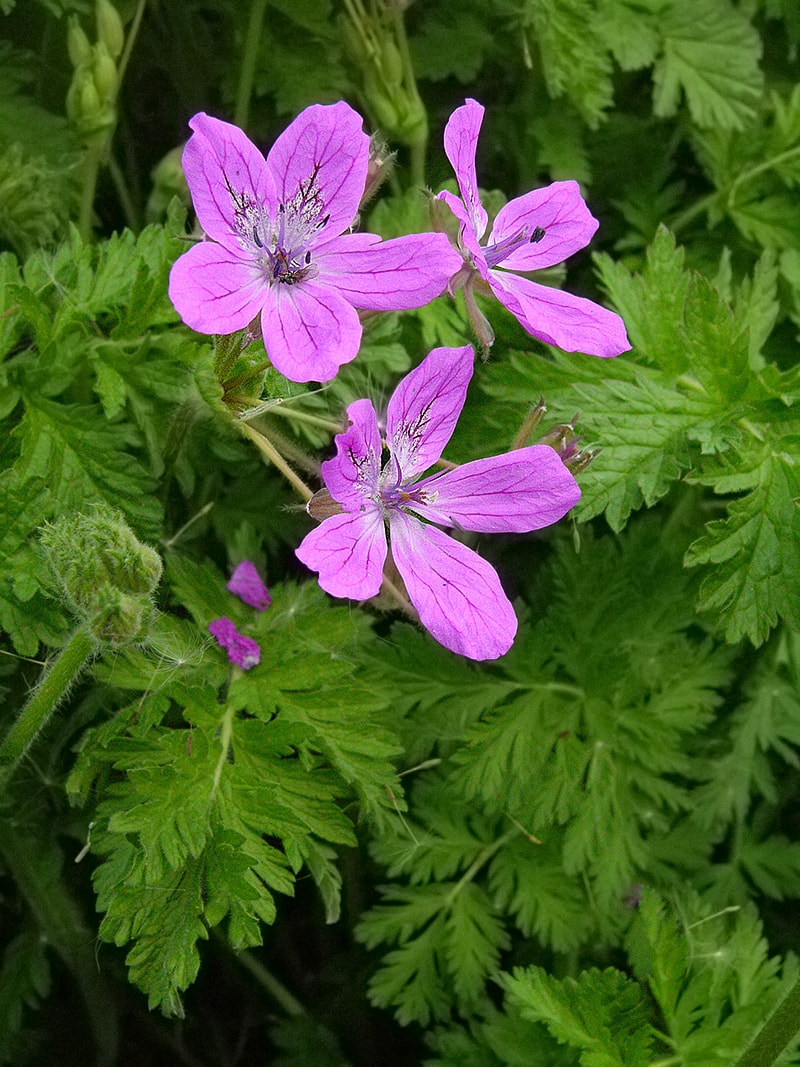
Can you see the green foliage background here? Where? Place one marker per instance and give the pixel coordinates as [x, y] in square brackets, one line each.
[368, 850]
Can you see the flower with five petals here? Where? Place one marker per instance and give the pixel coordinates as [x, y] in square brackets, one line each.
[540, 229]
[455, 591]
[279, 245]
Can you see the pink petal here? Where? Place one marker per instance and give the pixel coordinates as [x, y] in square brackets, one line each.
[558, 318]
[309, 331]
[214, 291]
[245, 582]
[460, 144]
[352, 475]
[425, 406]
[560, 211]
[466, 233]
[322, 157]
[222, 166]
[406, 272]
[457, 593]
[517, 492]
[348, 552]
[243, 651]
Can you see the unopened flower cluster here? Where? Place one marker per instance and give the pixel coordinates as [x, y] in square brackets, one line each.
[280, 249]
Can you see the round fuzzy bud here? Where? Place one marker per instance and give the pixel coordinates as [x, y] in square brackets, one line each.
[90, 552]
[118, 619]
[109, 27]
[78, 45]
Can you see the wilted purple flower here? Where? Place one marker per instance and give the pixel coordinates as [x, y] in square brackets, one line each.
[456, 592]
[278, 244]
[537, 230]
[243, 651]
[246, 583]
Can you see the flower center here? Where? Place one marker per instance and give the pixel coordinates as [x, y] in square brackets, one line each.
[392, 493]
[495, 254]
[282, 246]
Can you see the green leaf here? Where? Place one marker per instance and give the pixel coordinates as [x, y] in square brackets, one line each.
[558, 29]
[602, 1013]
[710, 52]
[658, 951]
[755, 552]
[27, 614]
[71, 449]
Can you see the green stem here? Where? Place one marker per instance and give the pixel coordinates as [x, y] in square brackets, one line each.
[124, 195]
[57, 679]
[271, 454]
[480, 861]
[419, 146]
[130, 40]
[295, 415]
[247, 71]
[279, 993]
[91, 168]
[691, 213]
[753, 172]
[775, 1034]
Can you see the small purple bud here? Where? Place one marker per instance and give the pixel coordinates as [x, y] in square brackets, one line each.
[243, 651]
[247, 585]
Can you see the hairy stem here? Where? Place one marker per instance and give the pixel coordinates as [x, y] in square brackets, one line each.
[271, 453]
[244, 89]
[53, 687]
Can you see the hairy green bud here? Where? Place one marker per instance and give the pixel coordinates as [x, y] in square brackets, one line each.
[106, 573]
[78, 45]
[119, 619]
[109, 28]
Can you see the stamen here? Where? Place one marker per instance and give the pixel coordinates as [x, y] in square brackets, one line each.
[537, 235]
[256, 238]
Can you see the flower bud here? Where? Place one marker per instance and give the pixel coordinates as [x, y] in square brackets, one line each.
[118, 619]
[78, 46]
[104, 73]
[109, 27]
[391, 63]
[91, 552]
[381, 161]
[87, 98]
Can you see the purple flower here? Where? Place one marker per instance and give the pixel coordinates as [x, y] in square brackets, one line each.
[537, 230]
[243, 651]
[278, 244]
[456, 592]
[247, 585]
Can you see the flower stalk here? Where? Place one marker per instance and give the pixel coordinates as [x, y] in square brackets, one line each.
[58, 678]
